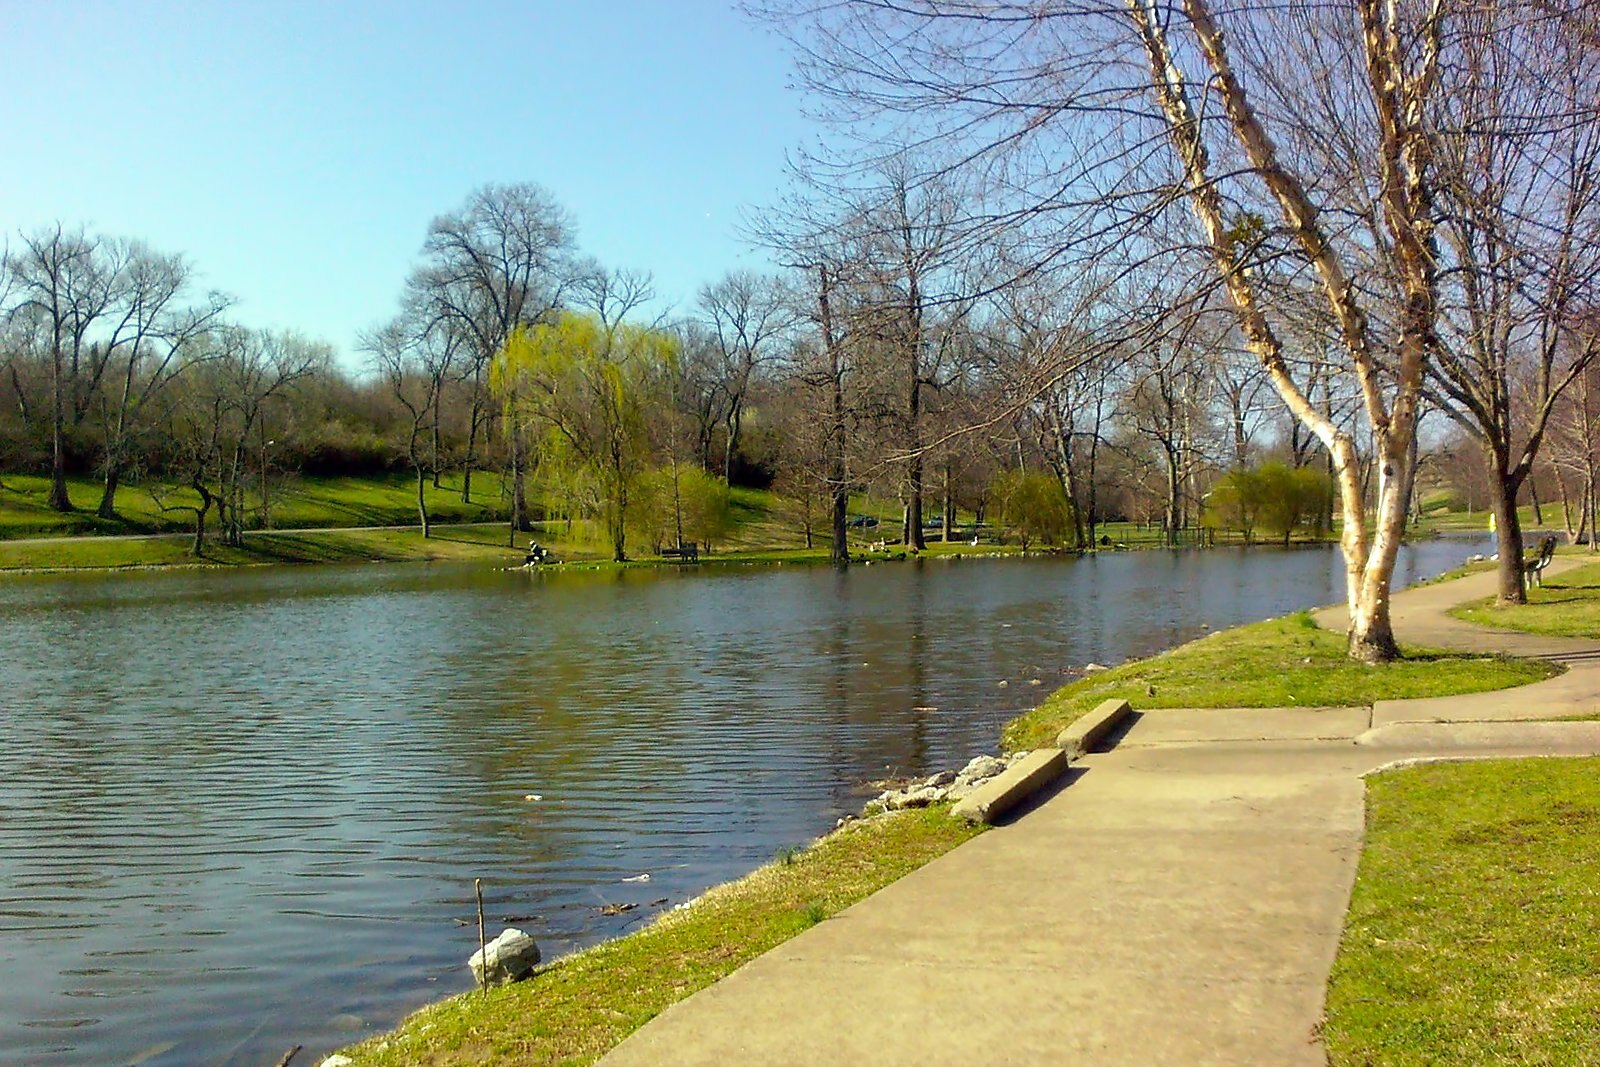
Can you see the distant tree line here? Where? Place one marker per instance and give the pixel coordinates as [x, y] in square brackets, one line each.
[511, 352]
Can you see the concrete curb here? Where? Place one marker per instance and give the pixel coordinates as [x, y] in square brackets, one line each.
[1087, 732]
[991, 800]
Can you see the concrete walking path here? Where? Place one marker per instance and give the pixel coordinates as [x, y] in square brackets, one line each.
[1179, 899]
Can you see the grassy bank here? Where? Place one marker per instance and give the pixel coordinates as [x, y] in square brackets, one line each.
[295, 503]
[1567, 606]
[1278, 663]
[467, 543]
[351, 520]
[1474, 930]
[584, 1004]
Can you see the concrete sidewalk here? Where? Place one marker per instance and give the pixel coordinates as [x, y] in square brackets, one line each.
[1180, 899]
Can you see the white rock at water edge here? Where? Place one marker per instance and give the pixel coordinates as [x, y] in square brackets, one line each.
[507, 958]
[337, 1060]
[946, 785]
[978, 768]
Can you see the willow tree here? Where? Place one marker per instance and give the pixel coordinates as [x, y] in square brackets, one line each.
[585, 388]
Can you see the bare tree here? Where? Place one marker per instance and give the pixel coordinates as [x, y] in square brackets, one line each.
[223, 401]
[1519, 157]
[67, 287]
[502, 261]
[1166, 403]
[157, 338]
[750, 316]
[415, 363]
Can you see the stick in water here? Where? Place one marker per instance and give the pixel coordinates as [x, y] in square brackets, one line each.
[483, 954]
[287, 1056]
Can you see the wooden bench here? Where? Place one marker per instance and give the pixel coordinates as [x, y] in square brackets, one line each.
[690, 552]
[1533, 569]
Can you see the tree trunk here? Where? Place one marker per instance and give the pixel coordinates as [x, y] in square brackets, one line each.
[422, 483]
[1508, 538]
[519, 480]
[1094, 499]
[839, 550]
[422, 501]
[1066, 468]
[1369, 568]
[619, 539]
[735, 424]
[1566, 506]
[108, 496]
[59, 500]
[1592, 505]
[838, 477]
[947, 534]
[914, 505]
[434, 463]
[473, 419]
[1174, 498]
[199, 546]
[914, 312]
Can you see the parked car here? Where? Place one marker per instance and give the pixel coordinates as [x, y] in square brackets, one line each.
[862, 522]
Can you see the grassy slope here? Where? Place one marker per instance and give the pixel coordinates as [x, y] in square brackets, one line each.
[1473, 935]
[1567, 606]
[295, 503]
[1437, 516]
[586, 1003]
[1277, 663]
[463, 543]
[765, 530]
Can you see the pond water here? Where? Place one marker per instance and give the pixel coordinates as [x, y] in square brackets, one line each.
[243, 810]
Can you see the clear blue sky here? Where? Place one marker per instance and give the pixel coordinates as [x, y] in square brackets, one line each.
[297, 151]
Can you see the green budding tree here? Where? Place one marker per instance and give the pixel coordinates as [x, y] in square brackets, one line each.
[583, 388]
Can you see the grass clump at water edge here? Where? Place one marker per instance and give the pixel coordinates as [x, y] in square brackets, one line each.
[583, 1005]
[1473, 935]
[1287, 662]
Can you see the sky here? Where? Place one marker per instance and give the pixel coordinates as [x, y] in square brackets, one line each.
[296, 152]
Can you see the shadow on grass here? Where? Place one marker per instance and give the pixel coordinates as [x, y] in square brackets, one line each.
[289, 548]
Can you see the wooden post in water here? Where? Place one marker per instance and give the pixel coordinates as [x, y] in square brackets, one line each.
[483, 954]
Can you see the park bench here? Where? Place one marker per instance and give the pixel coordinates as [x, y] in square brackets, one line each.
[690, 552]
[1533, 569]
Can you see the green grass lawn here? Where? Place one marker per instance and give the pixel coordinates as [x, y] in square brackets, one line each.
[1473, 935]
[1439, 517]
[1277, 663]
[576, 1010]
[460, 543]
[295, 502]
[1567, 606]
[327, 514]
